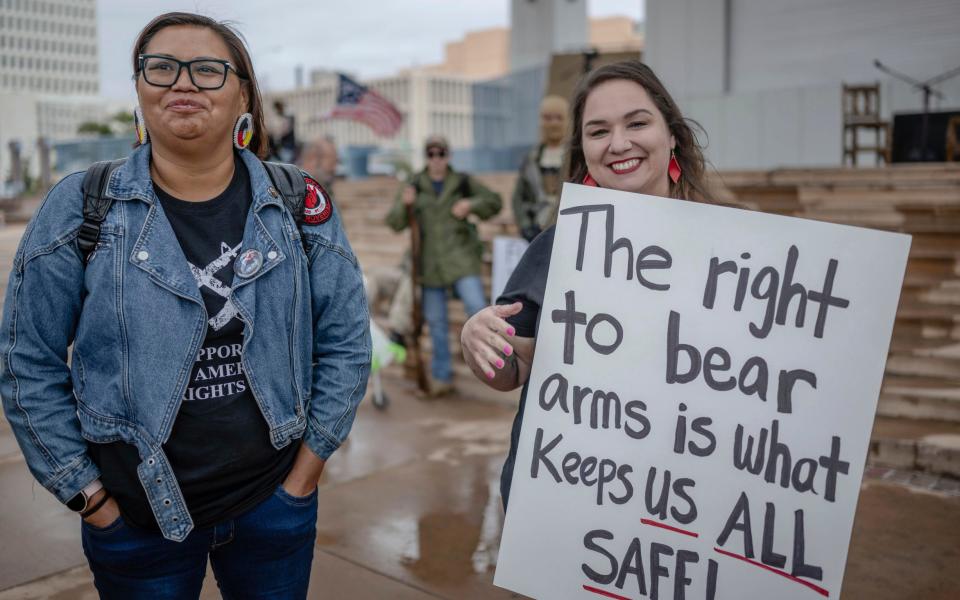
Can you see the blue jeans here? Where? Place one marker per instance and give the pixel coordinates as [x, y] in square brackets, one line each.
[470, 290]
[264, 553]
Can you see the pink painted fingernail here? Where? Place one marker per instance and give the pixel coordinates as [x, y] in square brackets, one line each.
[507, 350]
[499, 363]
[490, 375]
[511, 331]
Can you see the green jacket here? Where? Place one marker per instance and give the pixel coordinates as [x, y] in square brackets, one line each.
[450, 247]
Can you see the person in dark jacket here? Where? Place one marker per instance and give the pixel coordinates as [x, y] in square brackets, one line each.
[537, 191]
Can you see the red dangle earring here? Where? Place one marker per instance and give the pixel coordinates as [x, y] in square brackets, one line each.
[674, 169]
[243, 131]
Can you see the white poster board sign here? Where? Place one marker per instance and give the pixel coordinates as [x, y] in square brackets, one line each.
[507, 252]
[700, 404]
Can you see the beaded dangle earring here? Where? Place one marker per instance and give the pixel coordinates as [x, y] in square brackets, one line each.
[243, 131]
[140, 126]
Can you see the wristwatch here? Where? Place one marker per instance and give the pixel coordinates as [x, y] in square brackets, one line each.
[81, 501]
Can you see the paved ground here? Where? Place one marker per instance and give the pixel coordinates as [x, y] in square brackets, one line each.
[409, 509]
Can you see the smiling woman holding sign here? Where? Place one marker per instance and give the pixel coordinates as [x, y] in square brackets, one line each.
[628, 135]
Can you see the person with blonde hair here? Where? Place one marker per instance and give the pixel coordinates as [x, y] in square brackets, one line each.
[537, 191]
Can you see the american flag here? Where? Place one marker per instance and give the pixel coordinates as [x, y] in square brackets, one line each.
[359, 103]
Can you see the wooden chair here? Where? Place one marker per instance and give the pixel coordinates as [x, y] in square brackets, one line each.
[861, 110]
[953, 140]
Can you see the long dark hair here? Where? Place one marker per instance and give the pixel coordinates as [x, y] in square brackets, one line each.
[689, 153]
[238, 56]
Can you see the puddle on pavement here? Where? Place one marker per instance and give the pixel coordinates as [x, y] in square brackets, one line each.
[459, 542]
[327, 539]
[467, 439]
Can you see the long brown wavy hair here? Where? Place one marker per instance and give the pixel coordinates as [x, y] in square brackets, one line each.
[692, 184]
[239, 56]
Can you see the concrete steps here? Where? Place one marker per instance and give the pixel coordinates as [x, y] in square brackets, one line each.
[917, 445]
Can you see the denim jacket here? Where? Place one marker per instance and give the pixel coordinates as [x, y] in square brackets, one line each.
[136, 321]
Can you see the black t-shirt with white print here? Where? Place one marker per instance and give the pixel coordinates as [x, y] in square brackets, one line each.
[219, 447]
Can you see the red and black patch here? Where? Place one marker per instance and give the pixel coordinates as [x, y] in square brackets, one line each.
[317, 206]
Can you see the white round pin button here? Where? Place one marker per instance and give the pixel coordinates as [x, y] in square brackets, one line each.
[143, 255]
[248, 263]
[272, 254]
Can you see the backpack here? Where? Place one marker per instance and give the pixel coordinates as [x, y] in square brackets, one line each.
[286, 178]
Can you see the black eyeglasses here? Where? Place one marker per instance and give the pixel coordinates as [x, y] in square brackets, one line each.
[437, 154]
[205, 73]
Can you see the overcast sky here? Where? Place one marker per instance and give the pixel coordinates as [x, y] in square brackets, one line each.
[368, 37]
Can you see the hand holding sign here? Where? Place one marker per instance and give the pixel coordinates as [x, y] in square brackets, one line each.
[487, 338]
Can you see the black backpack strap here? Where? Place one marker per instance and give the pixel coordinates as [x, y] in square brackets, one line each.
[464, 188]
[96, 204]
[288, 180]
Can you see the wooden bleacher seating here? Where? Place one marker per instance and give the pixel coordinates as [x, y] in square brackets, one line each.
[923, 371]
[953, 140]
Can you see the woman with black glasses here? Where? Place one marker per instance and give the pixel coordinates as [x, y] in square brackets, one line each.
[220, 339]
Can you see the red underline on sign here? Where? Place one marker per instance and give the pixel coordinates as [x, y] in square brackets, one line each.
[604, 593]
[813, 587]
[670, 528]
